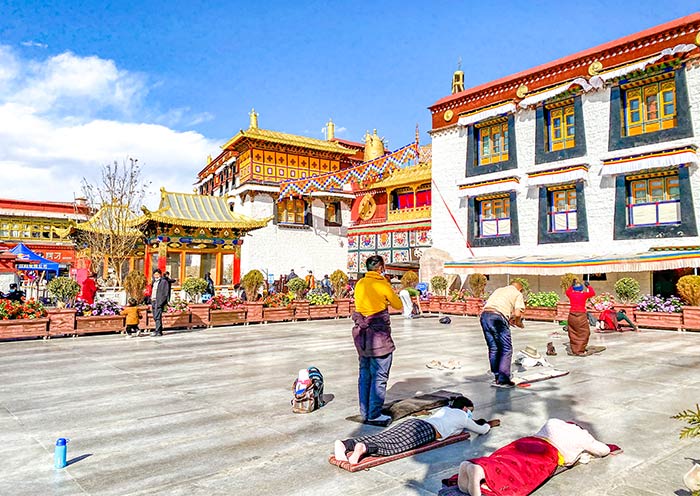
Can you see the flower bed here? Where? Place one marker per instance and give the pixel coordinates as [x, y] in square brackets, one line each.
[177, 315]
[226, 310]
[343, 306]
[200, 314]
[301, 309]
[22, 319]
[321, 304]
[101, 316]
[542, 306]
[277, 308]
[691, 317]
[474, 305]
[61, 321]
[659, 313]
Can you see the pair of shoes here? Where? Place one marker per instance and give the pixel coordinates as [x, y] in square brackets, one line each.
[434, 364]
[381, 419]
[153, 334]
[507, 385]
[550, 349]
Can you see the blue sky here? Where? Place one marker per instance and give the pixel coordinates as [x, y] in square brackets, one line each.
[190, 71]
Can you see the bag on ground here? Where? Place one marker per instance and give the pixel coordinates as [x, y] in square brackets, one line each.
[308, 391]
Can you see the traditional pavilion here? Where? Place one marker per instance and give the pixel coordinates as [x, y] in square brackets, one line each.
[391, 218]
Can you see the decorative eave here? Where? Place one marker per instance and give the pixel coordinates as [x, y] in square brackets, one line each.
[420, 173]
[288, 139]
[109, 219]
[582, 64]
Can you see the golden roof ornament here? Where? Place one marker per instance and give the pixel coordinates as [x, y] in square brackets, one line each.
[595, 68]
[208, 159]
[374, 146]
[521, 91]
[458, 78]
[253, 119]
[330, 130]
[697, 39]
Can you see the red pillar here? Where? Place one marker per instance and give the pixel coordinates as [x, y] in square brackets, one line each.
[147, 262]
[237, 264]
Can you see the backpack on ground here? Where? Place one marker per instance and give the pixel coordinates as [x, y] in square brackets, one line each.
[308, 391]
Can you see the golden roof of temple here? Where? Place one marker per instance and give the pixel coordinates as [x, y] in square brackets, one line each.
[289, 139]
[420, 173]
[192, 210]
[109, 219]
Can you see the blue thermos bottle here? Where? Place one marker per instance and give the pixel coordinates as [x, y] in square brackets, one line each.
[59, 454]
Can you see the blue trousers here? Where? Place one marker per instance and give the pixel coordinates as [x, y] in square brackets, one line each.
[371, 385]
[497, 334]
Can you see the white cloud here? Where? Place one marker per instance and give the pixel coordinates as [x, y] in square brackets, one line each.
[34, 44]
[341, 130]
[64, 117]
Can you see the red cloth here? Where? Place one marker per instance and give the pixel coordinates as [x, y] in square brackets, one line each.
[609, 319]
[88, 291]
[578, 298]
[518, 468]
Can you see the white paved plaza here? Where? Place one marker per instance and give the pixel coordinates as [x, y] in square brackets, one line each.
[207, 412]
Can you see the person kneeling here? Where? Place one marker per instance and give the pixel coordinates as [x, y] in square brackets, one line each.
[520, 467]
[413, 433]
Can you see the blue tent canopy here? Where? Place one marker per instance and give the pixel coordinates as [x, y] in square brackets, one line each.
[32, 260]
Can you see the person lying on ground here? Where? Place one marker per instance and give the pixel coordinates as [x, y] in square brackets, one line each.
[520, 467]
[612, 320]
[413, 433]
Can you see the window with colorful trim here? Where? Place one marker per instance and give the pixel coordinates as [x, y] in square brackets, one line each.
[291, 211]
[402, 198]
[561, 126]
[423, 195]
[493, 141]
[494, 216]
[649, 106]
[653, 199]
[562, 209]
[333, 215]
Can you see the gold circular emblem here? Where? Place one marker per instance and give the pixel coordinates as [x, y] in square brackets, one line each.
[595, 68]
[522, 91]
[367, 207]
[448, 115]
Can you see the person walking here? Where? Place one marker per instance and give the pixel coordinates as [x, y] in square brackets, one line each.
[372, 336]
[504, 306]
[326, 285]
[159, 299]
[210, 290]
[89, 289]
[310, 280]
[577, 322]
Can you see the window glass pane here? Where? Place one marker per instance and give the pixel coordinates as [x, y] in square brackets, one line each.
[505, 138]
[656, 189]
[497, 143]
[651, 103]
[485, 145]
[673, 189]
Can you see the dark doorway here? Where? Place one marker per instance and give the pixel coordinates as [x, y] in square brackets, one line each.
[664, 281]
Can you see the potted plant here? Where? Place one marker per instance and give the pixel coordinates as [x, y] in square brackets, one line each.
[251, 284]
[563, 305]
[439, 286]
[134, 284]
[339, 283]
[101, 316]
[62, 318]
[456, 302]
[276, 308]
[297, 288]
[26, 319]
[658, 312]
[177, 314]
[194, 288]
[321, 305]
[542, 306]
[603, 301]
[689, 289]
[226, 310]
[477, 285]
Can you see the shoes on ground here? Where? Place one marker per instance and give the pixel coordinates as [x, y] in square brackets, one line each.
[507, 385]
[551, 351]
[156, 334]
[434, 364]
[382, 418]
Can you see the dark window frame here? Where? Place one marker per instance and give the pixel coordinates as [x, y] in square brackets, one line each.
[472, 166]
[542, 153]
[545, 236]
[473, 225]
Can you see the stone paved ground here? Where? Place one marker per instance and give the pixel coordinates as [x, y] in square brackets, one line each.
[207, 412]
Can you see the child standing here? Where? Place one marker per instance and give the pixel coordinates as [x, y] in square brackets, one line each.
[133, 315]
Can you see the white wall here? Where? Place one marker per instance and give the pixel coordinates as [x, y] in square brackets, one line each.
[449, 158]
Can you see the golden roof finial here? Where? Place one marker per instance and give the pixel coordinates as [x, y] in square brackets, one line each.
[330, 130]
[253, 119]
[208, 159]
[458, 78]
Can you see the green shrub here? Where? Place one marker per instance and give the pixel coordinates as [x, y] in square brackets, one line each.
[627, 290]
[64, 289]
[689, 289]
[318, 297]
[339, 282]
[525, 283]
[477, 284]
[297, 286]
[547, 299]
[194, 287]
[439, 285]
[566, 281]
[692, 418]
[251, 282]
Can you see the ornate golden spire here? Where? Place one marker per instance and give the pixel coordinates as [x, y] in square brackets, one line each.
[208, 159]
[374, 146]
[330, 130]
[253, 119]
[458, 78]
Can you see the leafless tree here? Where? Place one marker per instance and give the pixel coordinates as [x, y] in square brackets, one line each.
[113, 232]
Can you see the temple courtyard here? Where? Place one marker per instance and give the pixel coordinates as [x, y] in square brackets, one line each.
[207, 412]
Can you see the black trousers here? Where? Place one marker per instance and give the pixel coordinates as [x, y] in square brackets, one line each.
[158, 317]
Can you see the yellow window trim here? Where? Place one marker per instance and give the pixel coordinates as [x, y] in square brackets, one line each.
[648, 80]
[648, 175]
[492, 196]
[491, 122]
[562, 103]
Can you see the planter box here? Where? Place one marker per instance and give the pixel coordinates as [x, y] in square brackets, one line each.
[629, 309]
[323, 311]
[659, 320]
[24, 328]
[352, 308]
[434, 303]
[61, 321]
[254, 311]
[177, 320]
[200, 314]
[475, 306]
[454, 307]
[691, 317]
[541, 313]
[343, 307]
[226, 317]
[146, 321]
[301, 309]
[563, 308]
[93, 324]
[278, 314]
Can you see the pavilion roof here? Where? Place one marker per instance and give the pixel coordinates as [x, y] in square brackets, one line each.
[109, 219]
[192, 210]
[289, 139]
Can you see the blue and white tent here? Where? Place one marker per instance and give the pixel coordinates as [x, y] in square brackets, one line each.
[32, 261]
